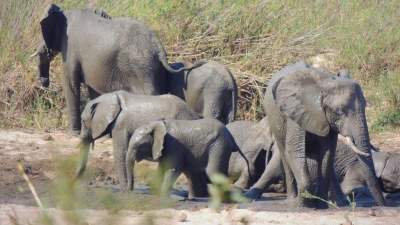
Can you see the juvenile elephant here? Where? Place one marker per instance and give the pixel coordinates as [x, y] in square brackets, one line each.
[119, 114]
[104, 54]
[351, 175]
[256, 142]
[189, 146]
[210, 89]
[307, 109]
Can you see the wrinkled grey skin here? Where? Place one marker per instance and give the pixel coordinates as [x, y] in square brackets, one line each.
[348, 177]
[104, 54]
[192, 147]
[352, 178]
[211, 90]
[256, 142]
[119, 114]
[307, 109]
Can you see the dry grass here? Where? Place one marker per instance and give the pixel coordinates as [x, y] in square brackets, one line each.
[254, 39]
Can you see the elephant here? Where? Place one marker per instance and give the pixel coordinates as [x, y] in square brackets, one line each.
[118, 114]
[351, 175]
[257, 143]
[348, 177]
[104, 54]
[210, 89]
[306, 110]
[189, 146]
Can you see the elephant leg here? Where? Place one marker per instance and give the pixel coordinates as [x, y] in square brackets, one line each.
[197, 184]
[325, 170]
[72, 92]
[288, 176]
[120, 143]
[272, 173]
[170, 176]
[296, 159]
[337, 194]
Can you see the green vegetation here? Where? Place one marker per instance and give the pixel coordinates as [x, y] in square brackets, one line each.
[253, 38]
[308, 195]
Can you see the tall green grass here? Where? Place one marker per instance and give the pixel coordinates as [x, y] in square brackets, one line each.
[253, 38]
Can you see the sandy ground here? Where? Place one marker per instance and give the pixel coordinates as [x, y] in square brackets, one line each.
[94, 201]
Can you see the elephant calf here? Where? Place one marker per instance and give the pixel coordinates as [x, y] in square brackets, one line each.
[192, 147]
[210, 89]
[351, 175]
[119, 114]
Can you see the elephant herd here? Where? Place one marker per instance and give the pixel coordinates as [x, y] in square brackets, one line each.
[182, 115]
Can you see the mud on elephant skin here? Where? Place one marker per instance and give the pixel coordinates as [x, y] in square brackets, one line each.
[104, 54]
[256, 142]
[306, 110]
[351, 175]
[189, 146]
[210, 89]
[119, 114]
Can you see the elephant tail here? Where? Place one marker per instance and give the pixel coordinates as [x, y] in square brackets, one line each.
[231, 113]
[248, 174]
[162, 56]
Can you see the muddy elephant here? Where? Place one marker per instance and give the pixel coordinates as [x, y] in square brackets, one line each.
[351, 175]
[118, 114]
[306, 110]
[347, 179]
[189, 146]
[210, 89]
[104, 54]
[257, 143]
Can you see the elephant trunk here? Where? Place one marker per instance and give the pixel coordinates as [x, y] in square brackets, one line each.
[363, 144]
[44, 69]
[130, 163]
[84, 147]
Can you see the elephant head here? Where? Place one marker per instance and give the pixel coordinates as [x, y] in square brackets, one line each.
[96, 120]
[321, 103]
[53, 24]
[146, 143]
[387, 170]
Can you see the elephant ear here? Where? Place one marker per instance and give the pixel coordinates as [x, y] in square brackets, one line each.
[53, 24]
[158, 132]
[103, 113]
[298, 96]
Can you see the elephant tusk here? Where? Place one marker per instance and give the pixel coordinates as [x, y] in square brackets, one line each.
[351, 144]
[34, 54]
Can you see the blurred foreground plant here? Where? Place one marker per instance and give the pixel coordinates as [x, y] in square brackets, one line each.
[220, 192]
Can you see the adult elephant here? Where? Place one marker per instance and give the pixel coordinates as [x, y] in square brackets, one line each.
[119, 114]
[210, 89]
[104, 54]
[307, 109]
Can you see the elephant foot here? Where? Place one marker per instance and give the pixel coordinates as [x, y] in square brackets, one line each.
[304, 202]
[321, 204]
[74, 132]
[198, 195]
[242, 184]
[342, 202]
[254, 193]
